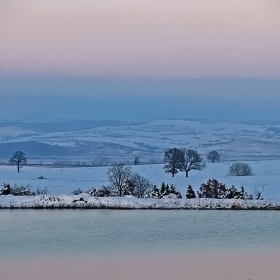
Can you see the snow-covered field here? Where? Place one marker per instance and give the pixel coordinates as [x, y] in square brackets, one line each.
[65, 180]
[108, 143]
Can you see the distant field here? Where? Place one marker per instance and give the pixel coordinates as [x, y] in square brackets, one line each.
[65, 180]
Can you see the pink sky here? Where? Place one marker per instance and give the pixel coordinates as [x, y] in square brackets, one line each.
[141, 38]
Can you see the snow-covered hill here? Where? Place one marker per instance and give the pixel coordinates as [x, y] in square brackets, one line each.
[119, 142]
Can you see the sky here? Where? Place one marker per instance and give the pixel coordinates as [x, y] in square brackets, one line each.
[117, 59]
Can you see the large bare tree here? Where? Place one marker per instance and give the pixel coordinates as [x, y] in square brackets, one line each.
[173, 159]
[192, 160]
[119, 176]
[19, 159]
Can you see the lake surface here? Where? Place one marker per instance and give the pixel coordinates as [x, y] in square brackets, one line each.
[98, 233]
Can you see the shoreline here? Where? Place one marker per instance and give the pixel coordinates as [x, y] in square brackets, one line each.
[85, 201]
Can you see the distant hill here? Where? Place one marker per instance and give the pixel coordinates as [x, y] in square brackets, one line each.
[103, 142]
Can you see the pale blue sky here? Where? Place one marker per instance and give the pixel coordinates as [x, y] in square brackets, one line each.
[137, 100]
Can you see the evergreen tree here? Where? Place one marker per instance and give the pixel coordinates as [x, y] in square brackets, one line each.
[165, 191]
[213, 189]
[190, 192]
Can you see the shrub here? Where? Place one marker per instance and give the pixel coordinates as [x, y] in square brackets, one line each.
[6, 190]
[22, 190]
[17, 190]
[165, 192]
[240, 169]
[43, 191]
[77, 191]
[233, 193]
[101, 192]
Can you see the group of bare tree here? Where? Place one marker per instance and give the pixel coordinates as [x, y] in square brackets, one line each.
[184, 160]
[125, 182]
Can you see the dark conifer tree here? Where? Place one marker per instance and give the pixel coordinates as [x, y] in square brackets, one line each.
[190, 192]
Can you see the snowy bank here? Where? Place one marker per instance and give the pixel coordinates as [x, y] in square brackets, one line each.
[85, 201]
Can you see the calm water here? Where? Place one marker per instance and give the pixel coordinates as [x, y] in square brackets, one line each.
[100, 232]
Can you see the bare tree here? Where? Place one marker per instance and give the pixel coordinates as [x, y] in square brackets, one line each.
[19, 159]
[192, 160]
[240, 169]
[259, 194]
[214, 156]
[119, 175]
[173, 159]
[142, 185]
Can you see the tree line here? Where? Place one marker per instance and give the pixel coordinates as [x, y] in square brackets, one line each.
[175, 160]
[217, 190]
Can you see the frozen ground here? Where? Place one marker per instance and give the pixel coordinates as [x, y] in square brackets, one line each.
[65, 180]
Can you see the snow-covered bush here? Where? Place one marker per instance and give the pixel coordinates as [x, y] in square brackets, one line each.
[240, 169]
[22, 190]
[233, 193]
[6, 190]
[17, 190]
[77, 191]
[165, 192]
[101, 192]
